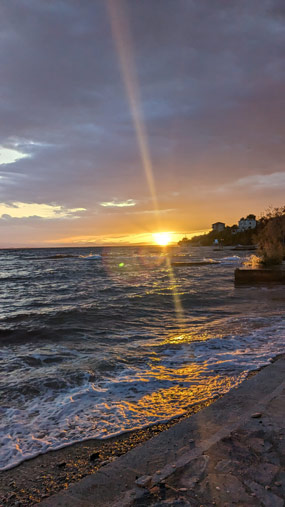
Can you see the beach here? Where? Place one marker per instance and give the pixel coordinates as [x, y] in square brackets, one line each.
[42, 477]
[49, 473]
[106, 359]
[230, 453]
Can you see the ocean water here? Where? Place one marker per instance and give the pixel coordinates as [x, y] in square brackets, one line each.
[95, 342]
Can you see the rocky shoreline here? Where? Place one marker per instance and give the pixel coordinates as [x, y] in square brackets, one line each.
[39, 478]
[230, 453]
[36, 479]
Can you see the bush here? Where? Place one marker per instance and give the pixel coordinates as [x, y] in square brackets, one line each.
[271, 238]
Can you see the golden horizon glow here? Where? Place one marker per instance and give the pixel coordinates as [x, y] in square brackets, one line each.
[162, 238]
[131, 239]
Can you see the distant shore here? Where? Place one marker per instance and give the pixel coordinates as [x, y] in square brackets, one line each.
[47, 474]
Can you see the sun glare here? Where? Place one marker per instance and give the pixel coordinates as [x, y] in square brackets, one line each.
[162, 238]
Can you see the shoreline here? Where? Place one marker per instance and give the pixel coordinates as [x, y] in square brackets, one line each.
[230, 453]
[36, 479]
[40, 477]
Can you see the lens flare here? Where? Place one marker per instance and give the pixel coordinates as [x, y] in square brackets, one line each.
[123, 42]
[122, 38]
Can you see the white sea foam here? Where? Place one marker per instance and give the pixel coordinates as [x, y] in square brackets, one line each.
[231, 259]
[145, 393]
[91, 257]
[93, 351]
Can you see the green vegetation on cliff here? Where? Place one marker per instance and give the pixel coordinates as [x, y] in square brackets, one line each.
[269, 235]
[228, 237]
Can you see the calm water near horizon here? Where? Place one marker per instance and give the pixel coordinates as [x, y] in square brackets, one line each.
[92, 345]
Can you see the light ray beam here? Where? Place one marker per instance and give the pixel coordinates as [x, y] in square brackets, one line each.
[122, 39]
[123, 42]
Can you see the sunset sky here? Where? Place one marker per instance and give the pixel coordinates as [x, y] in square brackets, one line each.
[123, 118]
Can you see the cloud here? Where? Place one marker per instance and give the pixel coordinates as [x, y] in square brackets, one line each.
[31, 210]
[261, 181]
[9, 156]
[118, 204]
[211, 83]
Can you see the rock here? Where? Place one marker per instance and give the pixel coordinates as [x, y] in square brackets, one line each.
[62, 464]
[224, 465]
[223, 488]
[272, 457]
[256, 415]
[104, 463]
[266, 498]
[263, 473]
[94, 456]
[192, 473]
[255, 443]
[143, 481]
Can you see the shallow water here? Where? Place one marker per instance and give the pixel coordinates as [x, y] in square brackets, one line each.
[95, 342]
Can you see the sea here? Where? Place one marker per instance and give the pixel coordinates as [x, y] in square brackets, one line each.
[95, 342]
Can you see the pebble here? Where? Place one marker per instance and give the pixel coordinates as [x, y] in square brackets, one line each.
[62, 464]
[256, 415]
[143, 481]
[218, 488]
[183, 489]
[277, 483]
[94, 456]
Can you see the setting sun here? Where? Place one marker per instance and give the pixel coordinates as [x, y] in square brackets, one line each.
[162, 238]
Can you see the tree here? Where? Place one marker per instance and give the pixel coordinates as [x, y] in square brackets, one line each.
[271, 237]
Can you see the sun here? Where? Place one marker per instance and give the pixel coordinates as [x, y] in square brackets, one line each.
[162, 238]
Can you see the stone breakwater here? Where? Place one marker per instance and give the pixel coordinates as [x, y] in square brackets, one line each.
[259, 276]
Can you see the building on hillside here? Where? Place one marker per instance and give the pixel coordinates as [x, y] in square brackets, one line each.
[219, 226]
[247, 223]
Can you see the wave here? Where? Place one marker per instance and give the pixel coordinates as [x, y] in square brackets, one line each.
[67, 409]
[91, 257]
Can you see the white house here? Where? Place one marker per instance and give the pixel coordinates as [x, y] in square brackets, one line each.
[218, 226]
[247, 223]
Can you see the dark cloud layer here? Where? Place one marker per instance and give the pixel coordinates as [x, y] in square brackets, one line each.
[211, 76]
